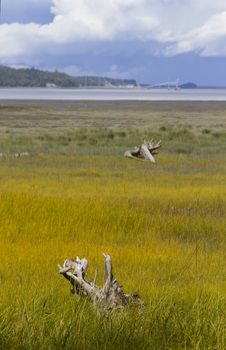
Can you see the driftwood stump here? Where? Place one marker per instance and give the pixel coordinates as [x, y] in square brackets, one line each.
[110, 296]
[144, 152]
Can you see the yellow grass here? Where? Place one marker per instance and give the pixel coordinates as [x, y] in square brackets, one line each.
[164, 226]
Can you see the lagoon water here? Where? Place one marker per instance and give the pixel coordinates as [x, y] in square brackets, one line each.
[139, 94]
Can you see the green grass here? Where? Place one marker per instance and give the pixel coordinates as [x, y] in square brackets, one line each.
[164, 226]
[109, 131]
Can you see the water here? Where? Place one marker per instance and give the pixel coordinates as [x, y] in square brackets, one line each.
[115, 94]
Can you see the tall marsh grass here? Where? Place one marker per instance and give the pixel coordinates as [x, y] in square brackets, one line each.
[165, 227]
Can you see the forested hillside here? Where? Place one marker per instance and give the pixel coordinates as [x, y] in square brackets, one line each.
[11, 77]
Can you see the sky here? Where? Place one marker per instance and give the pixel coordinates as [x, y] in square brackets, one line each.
[151, 41]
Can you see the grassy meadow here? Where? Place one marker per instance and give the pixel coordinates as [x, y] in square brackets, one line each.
[164, 224]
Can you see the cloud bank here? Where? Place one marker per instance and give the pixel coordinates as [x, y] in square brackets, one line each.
[110, 28]
[182, 25]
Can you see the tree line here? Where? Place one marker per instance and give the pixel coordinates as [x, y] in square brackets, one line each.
[31, 77]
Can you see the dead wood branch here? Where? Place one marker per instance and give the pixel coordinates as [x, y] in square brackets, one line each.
[110, 296]
[144, 152]
[22, 154]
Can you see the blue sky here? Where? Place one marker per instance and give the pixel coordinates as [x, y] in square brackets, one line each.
[26, 11]
[149, 40]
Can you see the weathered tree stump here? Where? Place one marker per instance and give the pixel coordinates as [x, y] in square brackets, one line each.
[110, 296]
[144, 152]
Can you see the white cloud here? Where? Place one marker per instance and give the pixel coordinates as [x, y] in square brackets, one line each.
[208, 39]
[181, 25]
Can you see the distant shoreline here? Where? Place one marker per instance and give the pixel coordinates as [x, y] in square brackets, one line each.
[144, 87]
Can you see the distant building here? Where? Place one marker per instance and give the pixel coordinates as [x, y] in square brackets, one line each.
[50, 85]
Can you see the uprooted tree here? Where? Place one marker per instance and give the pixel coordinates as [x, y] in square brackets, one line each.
[110, 296]
[144, 152]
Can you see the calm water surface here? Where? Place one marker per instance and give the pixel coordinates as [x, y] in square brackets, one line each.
[113, 94]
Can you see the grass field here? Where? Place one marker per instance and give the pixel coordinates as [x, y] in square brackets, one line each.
[164, 226]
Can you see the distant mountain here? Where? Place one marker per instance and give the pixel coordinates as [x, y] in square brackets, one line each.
[11, 77]
[188, 85]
